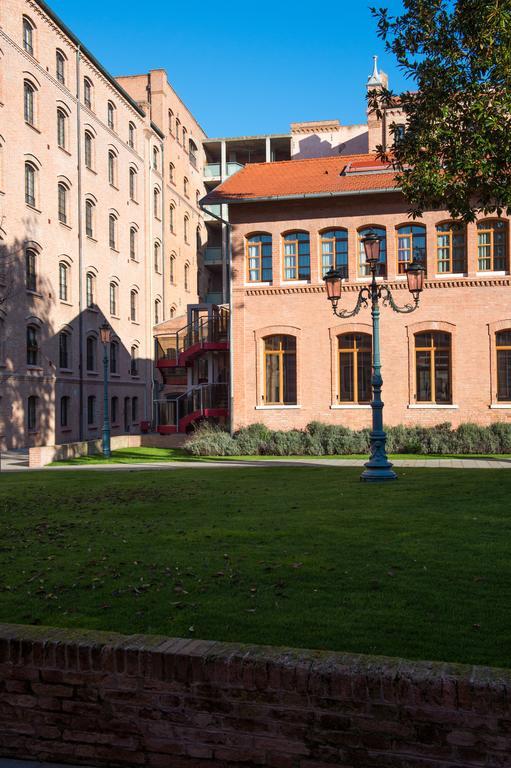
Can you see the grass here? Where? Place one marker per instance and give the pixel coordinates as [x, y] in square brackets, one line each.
[149, 455]
[304, 557]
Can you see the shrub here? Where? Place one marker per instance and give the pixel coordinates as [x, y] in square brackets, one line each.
[250, 440]
[211, 440]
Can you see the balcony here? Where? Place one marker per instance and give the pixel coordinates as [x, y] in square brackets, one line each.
[212, 170]
[234, 168]
[179, 349]
[213, 255]
[214, 298]
[207, 401]
[214, 209]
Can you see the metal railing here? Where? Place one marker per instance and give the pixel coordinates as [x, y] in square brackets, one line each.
[212, 170]
[197, 400]
[215, 329]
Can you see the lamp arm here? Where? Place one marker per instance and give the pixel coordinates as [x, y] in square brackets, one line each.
[362, 301]
[385, 294]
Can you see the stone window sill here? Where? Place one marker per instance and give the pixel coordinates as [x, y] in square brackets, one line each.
[433, 406]
[500, 406]
[350, 407]
[277, 407]
[450, 275]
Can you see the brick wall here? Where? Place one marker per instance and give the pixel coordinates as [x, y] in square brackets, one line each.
[107, 699]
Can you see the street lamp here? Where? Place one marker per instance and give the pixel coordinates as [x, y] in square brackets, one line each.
[105, 334]
[378, 467]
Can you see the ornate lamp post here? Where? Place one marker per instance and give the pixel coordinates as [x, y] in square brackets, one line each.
[105, 333]
[378, 467]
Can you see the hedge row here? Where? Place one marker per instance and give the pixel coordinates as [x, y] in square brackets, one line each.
[319, 439]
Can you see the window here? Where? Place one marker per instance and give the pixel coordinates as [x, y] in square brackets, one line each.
[186, 187]
[334, 251]
[492, 237]
[433, 367]
[184, 141]
[90, 289]
[134, 361]
[113, 298]
[87, 92]
[28, 36]
[297, 256]
[186, 229]
[112, 231]
[91, 353]
[32, 413]
[91, 410]
[172, 311]
[172, 171]
[64, 350]
[133, 243]
[355, 368]
[28, 102]
[450, 247]
[89, 218]
[131, 135]
[32, 345]
[156, 158]
[62, 203]
[110, 115]
[133, 306]
[31, 269]
[60, 63]
[61, 128]
[156, 202]
[259, 258]
[133, 184]
[187, 277]
[30, 177]
[64, 411]
[381, 267]
[172, 269]
[157, 305]
[134, 410]
[411, 244]
[172, 221]
[112, 168]
[171, 121]
[279, 370]
[114, 357]
[88, 149]
[157, 257]
[192, 149]
[503, 347]
[399, 132]
[63, 281]
[114, 410]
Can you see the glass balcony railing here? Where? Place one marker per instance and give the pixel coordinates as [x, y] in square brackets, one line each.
[212, 170]
[213, 255]
[214, 298]
[233, 168]
[215, 209]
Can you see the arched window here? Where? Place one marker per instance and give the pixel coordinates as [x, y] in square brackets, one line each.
[114, 357]
[186, 187]
[113, 298]
[133, 184]
[503, 349]
[63, 281]
[90, 289]
[112, 230]
[134, 360]
[171, 121]
[185, 132]
[192, 149]
[381, 267]
[355, 351]
[112, 163]
[131, 135]
[28, 36]
[88, 149]
[62, 203]
[30, 183]
[91, 353]
[156, 158]
[133, 305]
[177, 124]
[87, 92]
[259, 258]
[91, 410]
[334, 251]
[157, 249]
[156, 202]
[31, 269]
[186, 229]
[133, 243]
[32, 345]
[172, 311]
[157, 306]
[187, 277]
[114, 410]
[433, 367]
[492, 241]
[172, 222]
[279, 370]
[110, 114]
[411, 244]
[172, 171]
[399, 132]
[60, 64]
[61, 128]
[297, 263]
[32, 404]
[172, 269]
[451, 247]
[64, 350]
[64, 411]
[134, 410]
[28, 102]
[89, 218]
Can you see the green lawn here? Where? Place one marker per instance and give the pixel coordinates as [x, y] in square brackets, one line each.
[140, 455]
[306, 557]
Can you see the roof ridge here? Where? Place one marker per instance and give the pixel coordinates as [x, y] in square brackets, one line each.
[311, 159]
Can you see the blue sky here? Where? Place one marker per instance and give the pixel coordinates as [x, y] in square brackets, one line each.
[243, 68]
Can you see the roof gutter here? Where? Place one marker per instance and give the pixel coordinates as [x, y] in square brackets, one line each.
[306, 196]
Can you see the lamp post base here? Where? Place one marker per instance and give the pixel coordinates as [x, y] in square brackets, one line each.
[377, 473]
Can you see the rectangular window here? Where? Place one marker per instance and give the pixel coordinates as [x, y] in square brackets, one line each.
[63, 350]
[62, 204]
[259, 254]
[32, 414]
[433, 367]
[64, 411]
[334, 251]
[62, 282]
[91, 410]
[31, 275]
[451, 252]
[492, 239]
[280, 370]
[297, 257]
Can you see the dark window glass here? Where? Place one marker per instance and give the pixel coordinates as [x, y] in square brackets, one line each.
[28, 103]
[114, 357]
[59, 68]
[134, 409]
[433, 367]
[29, 184]
[91, 410]
[355, 366]
[32, 413]
[334, 251]
[28, 37]
[91, 353]
[280, 370]
[503, 344]
[297, 256]
[63, 288]
[62, 203]
[30, 269]
[32, 346]
[64, 411]
[64, 350]
[259, 254]
[381, 267]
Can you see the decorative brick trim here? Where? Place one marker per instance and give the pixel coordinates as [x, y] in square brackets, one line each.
[102, 698]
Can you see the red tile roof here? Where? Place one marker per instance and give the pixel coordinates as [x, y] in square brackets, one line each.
[323, 176]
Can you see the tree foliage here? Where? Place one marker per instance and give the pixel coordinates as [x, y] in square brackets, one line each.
[456, 152]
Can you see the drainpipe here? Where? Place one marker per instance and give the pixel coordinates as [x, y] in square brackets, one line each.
[80, 245]
[227, 293]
